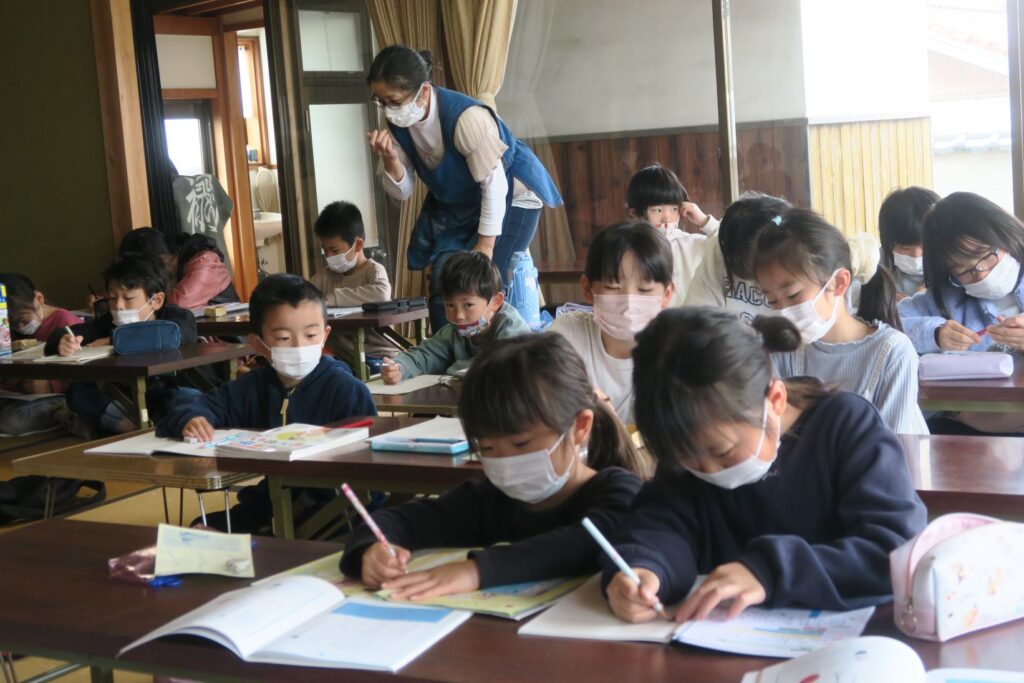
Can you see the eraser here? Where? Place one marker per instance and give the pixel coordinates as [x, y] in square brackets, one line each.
[215, 311]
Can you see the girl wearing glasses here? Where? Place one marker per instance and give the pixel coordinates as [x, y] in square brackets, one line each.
[973, 252]
[486, 187]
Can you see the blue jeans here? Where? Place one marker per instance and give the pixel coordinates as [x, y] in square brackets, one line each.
[516, 235]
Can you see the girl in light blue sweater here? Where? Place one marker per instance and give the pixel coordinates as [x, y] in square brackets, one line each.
[973, 251]
[804, 267]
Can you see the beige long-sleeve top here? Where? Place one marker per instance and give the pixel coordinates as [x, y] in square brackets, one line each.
[363, 285]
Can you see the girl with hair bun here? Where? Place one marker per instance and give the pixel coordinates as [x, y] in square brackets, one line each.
[805, 268]
[784, 492]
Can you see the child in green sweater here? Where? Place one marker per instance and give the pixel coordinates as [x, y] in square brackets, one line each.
[477, 314]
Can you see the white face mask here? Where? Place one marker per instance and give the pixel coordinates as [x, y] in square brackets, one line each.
[751, 470]
[805, 316]
[623, 316]
[295, 362]
[29, 328]
[999, 282]
[130, 315]
[406, 115]
[341, 263]
[911, 265]
[530, 477]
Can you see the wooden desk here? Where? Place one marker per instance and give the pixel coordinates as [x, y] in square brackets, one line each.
[360, 467]
[565, 273]
[436, 400]
[983, 474]
[352, 326]
[165, 471]
[67, 608]
[133, 369]
[983, 395]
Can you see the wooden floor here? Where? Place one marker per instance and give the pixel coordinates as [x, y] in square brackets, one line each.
[126, 503]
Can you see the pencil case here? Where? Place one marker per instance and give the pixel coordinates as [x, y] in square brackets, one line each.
[966, 365]
[146, 337]
[376, 306]
[963, 573]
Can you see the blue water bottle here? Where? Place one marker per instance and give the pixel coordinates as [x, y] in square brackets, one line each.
[523, 292]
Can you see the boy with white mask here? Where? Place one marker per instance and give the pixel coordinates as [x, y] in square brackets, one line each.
[784, 492]
[288, 320]
[628, 279]
[477, 315]
[552, 452]
[805, 267]
[137, 287]
[351, 278]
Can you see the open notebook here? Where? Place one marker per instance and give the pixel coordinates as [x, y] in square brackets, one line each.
[871, 659]
[407, 386]
[151, 444]
[87, 354]
[301, 620]
[760, 632]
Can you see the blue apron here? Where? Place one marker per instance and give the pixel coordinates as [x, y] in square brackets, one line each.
[450, 216]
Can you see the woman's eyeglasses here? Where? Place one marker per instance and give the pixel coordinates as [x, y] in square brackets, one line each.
[971, 275]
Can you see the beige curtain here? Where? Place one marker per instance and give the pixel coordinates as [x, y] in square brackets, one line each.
[477, 35]
[413, 23]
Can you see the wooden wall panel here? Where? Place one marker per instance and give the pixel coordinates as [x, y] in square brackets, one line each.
[853, 166]
[593, 173]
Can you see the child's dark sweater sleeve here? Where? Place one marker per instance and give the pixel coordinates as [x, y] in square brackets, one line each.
[564, 551]
[89, 331]
[222, 407]
[659, 535]
[456, 519]
[185, 321]
[876, 505]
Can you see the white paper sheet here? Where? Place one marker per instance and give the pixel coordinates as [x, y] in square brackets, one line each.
[408, 386]
[149, 443]
[84, 356]
[180, 550]
[337, 312]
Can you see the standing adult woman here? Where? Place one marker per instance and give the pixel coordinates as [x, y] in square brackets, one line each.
[486, 187]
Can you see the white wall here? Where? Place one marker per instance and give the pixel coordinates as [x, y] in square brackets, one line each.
[593, 66]
[865, 59]
[185, 61]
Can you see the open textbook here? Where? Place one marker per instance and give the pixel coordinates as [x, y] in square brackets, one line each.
[871, 659]
[406, 386]
[515, 601]
[509, 602]
[302, 620]
[290, 442]
[760, 632]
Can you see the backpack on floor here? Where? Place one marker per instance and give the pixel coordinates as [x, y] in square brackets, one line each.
[24, 498]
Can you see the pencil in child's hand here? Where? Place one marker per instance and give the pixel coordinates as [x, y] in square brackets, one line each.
[619, 562]
[370, 524]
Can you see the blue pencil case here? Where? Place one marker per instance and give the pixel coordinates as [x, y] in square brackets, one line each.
[146, 337]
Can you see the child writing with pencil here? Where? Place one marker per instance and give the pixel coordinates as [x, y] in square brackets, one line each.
[552, 453]
[784, 492]
[477, 316]
[32, 318]
[288, 319]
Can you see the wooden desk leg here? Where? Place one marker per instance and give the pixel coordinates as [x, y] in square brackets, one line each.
[281, 501]
[98, 674]
[362, 371]
[140, 402]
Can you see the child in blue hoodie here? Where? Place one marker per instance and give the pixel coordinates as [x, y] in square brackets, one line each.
[783, 492]
[288, 319]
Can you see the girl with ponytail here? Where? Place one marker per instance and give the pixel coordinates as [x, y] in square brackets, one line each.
[553, 453]
[805, 268]
[784, 492]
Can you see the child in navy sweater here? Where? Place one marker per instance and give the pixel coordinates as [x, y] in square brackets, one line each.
[782, 492]
[553, 453]
[288, 319]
